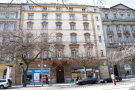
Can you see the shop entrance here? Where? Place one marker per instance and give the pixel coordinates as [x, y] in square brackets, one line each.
[60, 74]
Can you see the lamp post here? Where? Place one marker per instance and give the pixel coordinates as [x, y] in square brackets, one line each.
[42, 71]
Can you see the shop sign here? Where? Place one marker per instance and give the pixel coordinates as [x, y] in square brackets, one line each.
[36, 77]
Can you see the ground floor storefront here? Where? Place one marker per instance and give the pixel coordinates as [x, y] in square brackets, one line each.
[62, 71]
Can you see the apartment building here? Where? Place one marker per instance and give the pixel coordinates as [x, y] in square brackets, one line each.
[79, 49]
[9, 22]
[119, 32]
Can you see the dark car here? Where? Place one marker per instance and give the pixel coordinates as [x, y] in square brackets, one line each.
[87, 81]
[118, 78]
[107, 80]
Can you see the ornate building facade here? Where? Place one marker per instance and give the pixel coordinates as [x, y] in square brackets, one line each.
[9, 22]
[119, 32]
[79, 49]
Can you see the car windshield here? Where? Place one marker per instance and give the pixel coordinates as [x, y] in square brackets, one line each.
[2, 80]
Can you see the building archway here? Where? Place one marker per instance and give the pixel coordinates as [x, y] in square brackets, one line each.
[60, 74]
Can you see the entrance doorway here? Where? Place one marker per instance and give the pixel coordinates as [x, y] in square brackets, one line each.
[60, 74]
[116, 70]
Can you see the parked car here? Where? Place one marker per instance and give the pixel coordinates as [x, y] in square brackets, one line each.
[118, 78]
[4, 83]
[107, 80]
[87, 81]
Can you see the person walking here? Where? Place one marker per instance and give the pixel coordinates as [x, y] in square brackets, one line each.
[46, 79]
[113, 79]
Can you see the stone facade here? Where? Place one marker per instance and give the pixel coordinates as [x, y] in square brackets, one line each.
[79, 49]
[119, 31]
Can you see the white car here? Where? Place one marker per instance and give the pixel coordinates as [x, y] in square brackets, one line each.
[4, 83]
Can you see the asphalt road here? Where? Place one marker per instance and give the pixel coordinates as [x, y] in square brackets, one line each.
[124, 85]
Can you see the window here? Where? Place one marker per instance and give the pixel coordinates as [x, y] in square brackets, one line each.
[44, 39]
[1, 27]
[30, 16]
[122, 16]
[119, 38]
[10, 39]
[1, 39]
[44, 54]
[12, 16]
[96, 18]
[57, 9]
[58, 17]
[72, 27]
[31, 8]
[87, 39]
[88, 53]
[95, 10]
[124, 28]
[29, 39]
[127, 38]
[28, 55]
[85, 27]
[134, 38]
[108, 27]
[83, 10]
[129, 16]
[115, 16]
[84, 17]
[2, 15]
[44, 8]
[11, 27]
[110, 39]
[102, 53]
[74, 53]
[59, 39]
[100, 39]
[117, 27]
[106, 16]
[98, 27]
[44, 27]
[30, 26]
[73, 39]
[71, 17]
[132, 28]
[44, 17]
[58, 27]
[70, 9]
[59, 54]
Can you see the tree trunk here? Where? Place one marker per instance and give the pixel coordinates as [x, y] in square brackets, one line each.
[25, 76]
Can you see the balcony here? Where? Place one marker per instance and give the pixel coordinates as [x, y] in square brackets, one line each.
[110, 33]
[126, 32]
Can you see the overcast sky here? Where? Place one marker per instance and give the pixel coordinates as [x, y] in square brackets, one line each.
[107, 3]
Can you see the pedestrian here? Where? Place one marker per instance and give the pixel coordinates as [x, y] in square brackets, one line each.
[46, 79]
[77, 78]
[113, 79]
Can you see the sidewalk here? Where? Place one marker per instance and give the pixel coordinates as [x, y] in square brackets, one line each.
[40, 85]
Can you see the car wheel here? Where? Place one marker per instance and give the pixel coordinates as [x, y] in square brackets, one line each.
[1, 87]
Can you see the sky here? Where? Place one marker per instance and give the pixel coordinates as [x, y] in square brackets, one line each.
[106, 3]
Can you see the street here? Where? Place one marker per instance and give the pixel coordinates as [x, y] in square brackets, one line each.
[124, 85]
